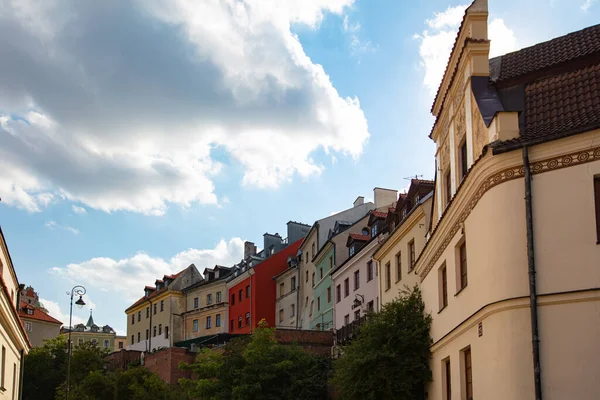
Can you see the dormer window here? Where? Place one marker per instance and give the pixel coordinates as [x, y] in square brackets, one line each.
[404, 212]
[30, 311]
[365, 231]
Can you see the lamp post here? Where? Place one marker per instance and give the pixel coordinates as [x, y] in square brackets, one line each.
[76, 291]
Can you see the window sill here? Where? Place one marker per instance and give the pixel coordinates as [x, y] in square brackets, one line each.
[443, 308]
[460, 290]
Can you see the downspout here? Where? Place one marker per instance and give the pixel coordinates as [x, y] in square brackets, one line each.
[20, 396]
[297, 295]
[532, 281]
[251, 273]
[150, 329]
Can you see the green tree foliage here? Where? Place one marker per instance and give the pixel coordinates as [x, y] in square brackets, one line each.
[389, 357]
[258, 369]
[45, 369]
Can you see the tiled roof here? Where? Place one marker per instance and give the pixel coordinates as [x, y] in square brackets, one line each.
[562, 103]
[379, 214]
[358, 236]
[144, 298]
[37, 314]
[549, 54]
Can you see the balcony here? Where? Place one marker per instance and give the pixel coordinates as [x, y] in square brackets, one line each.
[348, 331]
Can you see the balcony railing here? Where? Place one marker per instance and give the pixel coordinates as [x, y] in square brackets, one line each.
[347, 332]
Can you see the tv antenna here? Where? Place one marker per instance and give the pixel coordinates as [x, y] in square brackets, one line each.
[413, 177]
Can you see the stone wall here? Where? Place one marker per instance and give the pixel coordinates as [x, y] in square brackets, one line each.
[165, 363]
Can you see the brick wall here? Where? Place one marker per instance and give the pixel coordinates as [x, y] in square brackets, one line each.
[315, 342]
[165, 363]
[119, 360]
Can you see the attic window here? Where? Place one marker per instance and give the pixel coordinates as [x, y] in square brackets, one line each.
[374, 230]
[351, 250]
[29, 311]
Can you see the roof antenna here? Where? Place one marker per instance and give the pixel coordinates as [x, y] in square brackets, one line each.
[415, 177]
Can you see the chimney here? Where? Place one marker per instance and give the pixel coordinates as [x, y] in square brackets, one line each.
[249, 249]
[384, 197]
[360, 200]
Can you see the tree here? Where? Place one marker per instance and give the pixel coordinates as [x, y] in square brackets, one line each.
[45, 369]
[389, 357]
[258, 369]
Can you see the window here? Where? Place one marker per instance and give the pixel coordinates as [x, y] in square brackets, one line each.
[154, 331]
[94, 341]
[132, 340]
[29, 311]
[398, 266]
[351, 250]
[231, 325]
[462, 254]
[162, 305]
[388, 276]
[106, 342]
[293, 283]
[147, 334]
[597, 199]
[28, 326]
[357, 315]
[147, 312]
[443, 277]
[139, 316]
[120, 345]
[281, 316]
[219, 298]
[155, 308]
[312, 306]
[338, 293]
[208, 322]
[14, 382]
[195, 302]
[346, 319]
[247, 318]
[240, 322]
[233, 299]
[356, 279]
[218, 320]
[306, 302]
[313, 279]
[448, 181]
[138, 337]
[374, 230]
[248, 291]
[195, 325]
[133, 319]
[293, 310]
[411, 254]
[329, 294]
[330, 263]
[240, 295]
[306, 276]
[321, 273]
[166, 332]
[312, 255]
[468, 373]
[463, 160]
[281, 289]
[209, 299]
[369, 271]
[319, 303]
[159, 329]
[447, 379]
[346, 287]
[370, 306]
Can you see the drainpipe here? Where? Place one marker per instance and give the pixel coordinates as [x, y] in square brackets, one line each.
[535, 341]
[20, 396]
[150, 329]
[297, 295]
[184, 318]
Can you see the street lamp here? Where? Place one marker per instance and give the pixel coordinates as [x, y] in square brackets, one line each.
[76, 291]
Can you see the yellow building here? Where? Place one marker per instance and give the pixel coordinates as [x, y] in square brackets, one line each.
[14, 344]
[156, 319]
[510, 271]
[120, 342]
[206, 311]
[103, 337]
[396, 256]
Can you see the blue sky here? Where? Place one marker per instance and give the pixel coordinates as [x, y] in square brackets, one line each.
[129, 152]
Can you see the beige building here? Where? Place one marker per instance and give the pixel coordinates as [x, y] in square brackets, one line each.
[287, 296]
[120, 342]
[156, 320]
[206, 311]
[14, 344]
[38, 324]
[409, 222]
[518, 170]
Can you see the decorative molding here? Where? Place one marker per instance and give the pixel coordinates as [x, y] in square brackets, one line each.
[505, 175]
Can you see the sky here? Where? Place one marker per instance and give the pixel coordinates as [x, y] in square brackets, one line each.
[138, 137]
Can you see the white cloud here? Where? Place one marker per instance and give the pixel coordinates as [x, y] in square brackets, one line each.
[586, 6]
[79, 210]
[357, 46]
[52, 225]
[63, 316]
[118, 106]
[127, 277]
[435, 43]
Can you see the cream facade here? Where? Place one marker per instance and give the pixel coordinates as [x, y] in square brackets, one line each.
[14, 344]
[287, 298]
[474, 270]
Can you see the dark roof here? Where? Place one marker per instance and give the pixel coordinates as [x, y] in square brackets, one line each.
[545, 55]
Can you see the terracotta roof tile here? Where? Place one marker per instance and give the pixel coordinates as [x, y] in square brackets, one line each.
[563, 103]
[549, 54]
[379, 214]
[358, 236]
[37, 314]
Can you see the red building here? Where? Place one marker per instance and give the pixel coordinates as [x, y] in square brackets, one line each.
[253, 291]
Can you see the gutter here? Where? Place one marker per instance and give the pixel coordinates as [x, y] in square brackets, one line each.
[535, 341]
